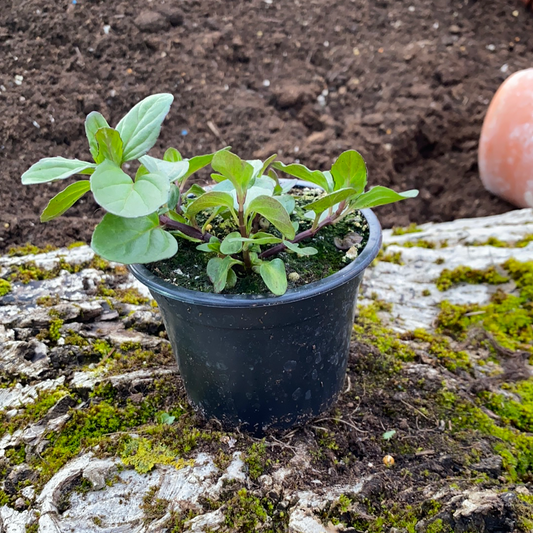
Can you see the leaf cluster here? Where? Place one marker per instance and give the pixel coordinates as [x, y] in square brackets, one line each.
[148, 213]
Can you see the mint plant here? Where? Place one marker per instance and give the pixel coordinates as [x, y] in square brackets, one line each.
[248, 205]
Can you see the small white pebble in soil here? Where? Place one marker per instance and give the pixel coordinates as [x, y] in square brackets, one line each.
[504, 68]
[352, 253]
[294, 277]
[18, 79]
[411, 9]
[106, 28]
[36, 124]
[266, 83]
[321, 100]
[326, 43]
[436, 26]
[515, 13]
[296, 149]
[491, 47]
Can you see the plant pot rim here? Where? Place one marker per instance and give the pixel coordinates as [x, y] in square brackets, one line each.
[358, 265]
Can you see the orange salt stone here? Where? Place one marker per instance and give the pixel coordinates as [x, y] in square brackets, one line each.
[506, 143]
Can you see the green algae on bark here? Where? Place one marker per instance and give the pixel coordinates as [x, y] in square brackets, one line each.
[464, 274]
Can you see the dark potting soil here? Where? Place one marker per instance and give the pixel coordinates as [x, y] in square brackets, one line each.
[407, 83]
[188, 268]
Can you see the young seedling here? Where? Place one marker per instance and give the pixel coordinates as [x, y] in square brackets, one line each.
[253, 213]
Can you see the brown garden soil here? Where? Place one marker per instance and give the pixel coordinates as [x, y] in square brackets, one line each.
[406, 82]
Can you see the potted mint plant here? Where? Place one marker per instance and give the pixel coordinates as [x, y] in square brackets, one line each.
[255, 348]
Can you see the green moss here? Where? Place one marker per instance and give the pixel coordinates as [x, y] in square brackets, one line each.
[127, 296]
[390, 257]
[5, 287]
[439, 346]
[4, 498]
[75, 339]
[439, 260]
[522, 243]
[426, 292]
[508, 318]
[522, 274]
[29, 249]
[514, 446]
[420, 243]
[464, 274]
[491, 241]
[53, 333]
[48, 301]
[32, 528]
[412, 228]
[245, 512]
[144, 455]
[188, 267]
[102, 347]
[256, 460]
[153, 508]
[76, 244]
[368, 328]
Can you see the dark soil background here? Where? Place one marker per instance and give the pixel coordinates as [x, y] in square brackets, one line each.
[406, 82]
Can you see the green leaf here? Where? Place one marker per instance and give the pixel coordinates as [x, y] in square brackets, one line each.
[389, 434]
[274, 276]
[218, 270]
[93, 123]
[234, 169]
[172, 155]
[140, 128]
[110, 145]
[209, 200]
[65, 200]
[274, 212]
[381, 196]
[350, 171]
[320, 205]
[117, 193]
[287, 201]
[196, 190]
[54, 168]
[172, 170]
[232, 243]
[141, 171]
[267, 163]
[212, 246]
[197, 163]
[173, 196]
[231, 281]
[309, 250]
[299, 171]
[133, 240]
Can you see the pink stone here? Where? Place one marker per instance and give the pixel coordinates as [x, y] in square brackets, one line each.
[506, 143]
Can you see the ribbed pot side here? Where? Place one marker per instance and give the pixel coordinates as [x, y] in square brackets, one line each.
[261, 363]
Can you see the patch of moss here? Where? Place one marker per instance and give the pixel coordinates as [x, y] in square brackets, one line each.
[48, 301]
[439, 346]
[153, 508]
[32, 528]
[246, 513]
[53, 333]
[256, 460]
[368, 328]
[491, 241]
[128, 296]
[29, 249]
[101, 347]
[524, 241]
[426, 292]
[420, 243]
[76, 244]
[390, 257]
[144, 455]
[5, 287]
[188, 267]
[464, 274]
[412, 228]
[522, 274]
[75, 339]
[508, 318]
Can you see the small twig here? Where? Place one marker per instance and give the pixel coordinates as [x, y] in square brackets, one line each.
[417, 410]
[344, 422]
[282, 444]
[216, 132]
[349, 387]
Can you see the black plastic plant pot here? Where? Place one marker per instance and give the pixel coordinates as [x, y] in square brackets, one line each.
[264, 362]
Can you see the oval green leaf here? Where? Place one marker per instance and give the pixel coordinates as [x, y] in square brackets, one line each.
[209, 200]
[302, 172]
[172, 155]
[274, 276]
[350, 171]
[133, 240]
[140, 128]
[381, 196]
[172, 170]
[330, 200]
[232, 243]
[110, 146]
[218, 270]
[233, 168]
[93, 123]
[274, 212]
[65, 200]
[117, 193]
[308, 250]
[54, 168]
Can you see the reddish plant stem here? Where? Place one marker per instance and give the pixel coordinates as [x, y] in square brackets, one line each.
[184, 228]
[300, 237]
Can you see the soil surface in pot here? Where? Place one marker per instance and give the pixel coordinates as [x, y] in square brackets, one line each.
[337, 246]
[406, 83]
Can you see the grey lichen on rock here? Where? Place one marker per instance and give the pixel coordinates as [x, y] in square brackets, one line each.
[97, 435]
